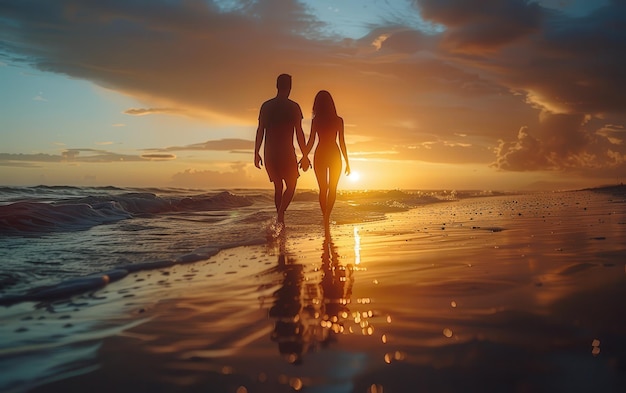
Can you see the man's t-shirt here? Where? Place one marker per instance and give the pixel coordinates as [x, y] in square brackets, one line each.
[280, 117]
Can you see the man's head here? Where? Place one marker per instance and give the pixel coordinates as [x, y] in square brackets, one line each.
[283, 84]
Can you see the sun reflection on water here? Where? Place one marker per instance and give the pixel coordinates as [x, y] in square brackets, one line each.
[357, 246]
[309, 311]
[314, 306]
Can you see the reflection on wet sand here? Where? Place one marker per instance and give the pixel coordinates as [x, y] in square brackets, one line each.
[309, 313]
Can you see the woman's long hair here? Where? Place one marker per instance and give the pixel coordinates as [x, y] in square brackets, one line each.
[324, 106]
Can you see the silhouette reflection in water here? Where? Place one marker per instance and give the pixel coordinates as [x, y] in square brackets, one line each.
[309, 312]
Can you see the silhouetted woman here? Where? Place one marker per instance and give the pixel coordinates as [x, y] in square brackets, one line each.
[328, 127]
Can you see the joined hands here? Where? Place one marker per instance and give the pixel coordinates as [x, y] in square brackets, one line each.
[305, 163]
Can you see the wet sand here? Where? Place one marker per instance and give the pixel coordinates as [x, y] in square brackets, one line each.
[498, 294]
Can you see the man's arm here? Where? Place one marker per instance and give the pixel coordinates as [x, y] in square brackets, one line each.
[300, 138]
[260, 133]
[305, 164]
[309, 144]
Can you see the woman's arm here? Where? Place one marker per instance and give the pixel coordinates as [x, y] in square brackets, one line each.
[309, 144]
[342, 146]
[305, 163]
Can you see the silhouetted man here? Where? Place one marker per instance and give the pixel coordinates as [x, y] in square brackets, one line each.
[279, 118]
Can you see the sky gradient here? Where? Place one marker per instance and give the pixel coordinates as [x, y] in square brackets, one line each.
[435, 94]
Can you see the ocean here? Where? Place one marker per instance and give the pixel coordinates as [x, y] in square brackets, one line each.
[196, 290]
[59, 240]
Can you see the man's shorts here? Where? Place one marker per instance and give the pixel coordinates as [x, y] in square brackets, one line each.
[284, 167]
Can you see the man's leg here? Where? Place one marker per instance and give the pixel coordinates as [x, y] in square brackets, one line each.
[278, 194]
[290, 189]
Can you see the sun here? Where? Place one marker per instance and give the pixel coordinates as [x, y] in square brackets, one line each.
[354, 177]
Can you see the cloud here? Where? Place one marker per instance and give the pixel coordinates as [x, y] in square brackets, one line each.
[158, 157]
[18, 163]
[39, 97]
[236, 177]
[94, 155]
[482, 26]
[405, 41]
[152, 111]
[572, 65]
[8, 159]
[615, 134]
[565, 145]
[460, 150]
[525, 154]
[88, 155]
[228, 144]
[178, 53]
[568, 69]
[67, 156]
[488, 71]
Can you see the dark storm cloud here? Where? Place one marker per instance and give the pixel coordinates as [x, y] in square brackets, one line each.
[570, 68]
[482, 25]
[564, 143]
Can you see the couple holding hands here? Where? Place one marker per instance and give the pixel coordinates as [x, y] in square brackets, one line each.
[279, 119]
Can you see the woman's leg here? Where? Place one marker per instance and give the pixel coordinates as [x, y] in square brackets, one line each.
[327, 165]
[322, 182]
[334, 172]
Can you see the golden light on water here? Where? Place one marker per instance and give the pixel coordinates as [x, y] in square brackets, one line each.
[376, 389]
[357, 246]
[296, 383]
[397, 356]
[595, 351]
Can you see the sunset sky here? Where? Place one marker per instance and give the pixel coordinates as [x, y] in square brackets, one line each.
[455, 94]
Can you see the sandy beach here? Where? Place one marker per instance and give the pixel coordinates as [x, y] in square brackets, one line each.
[496, 294]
